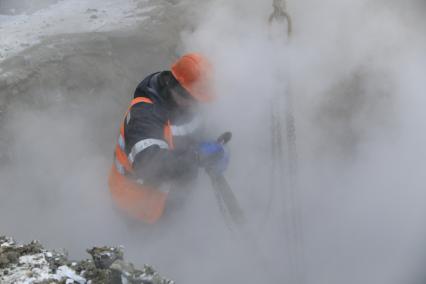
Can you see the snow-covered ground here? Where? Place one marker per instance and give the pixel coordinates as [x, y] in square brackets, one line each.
[18, 32]
[14, 7]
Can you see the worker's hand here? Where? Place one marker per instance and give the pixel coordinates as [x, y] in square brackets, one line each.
[213, 157]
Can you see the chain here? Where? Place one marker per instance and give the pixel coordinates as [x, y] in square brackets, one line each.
[280, 14]
[281, 123]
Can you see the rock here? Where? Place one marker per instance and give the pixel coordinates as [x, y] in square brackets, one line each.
[103, 257]
[4, 261]
[31, 263]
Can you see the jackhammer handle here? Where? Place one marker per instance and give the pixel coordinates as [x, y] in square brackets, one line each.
[224, 138]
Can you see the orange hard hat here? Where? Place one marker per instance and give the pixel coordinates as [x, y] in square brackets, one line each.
[193, 72]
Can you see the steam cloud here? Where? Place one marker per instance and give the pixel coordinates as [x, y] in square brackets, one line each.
[355, 71]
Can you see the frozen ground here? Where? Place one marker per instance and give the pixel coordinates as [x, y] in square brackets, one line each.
[33, 264]
[22, 31]
[12, 7]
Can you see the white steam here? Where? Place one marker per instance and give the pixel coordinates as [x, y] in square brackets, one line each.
[355, 70]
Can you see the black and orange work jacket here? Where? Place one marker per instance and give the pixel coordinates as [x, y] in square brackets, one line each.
[155, 146]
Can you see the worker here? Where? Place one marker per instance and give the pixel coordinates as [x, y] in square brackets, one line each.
[160, 140]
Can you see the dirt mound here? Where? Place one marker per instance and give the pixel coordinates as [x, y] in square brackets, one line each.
[31, 263]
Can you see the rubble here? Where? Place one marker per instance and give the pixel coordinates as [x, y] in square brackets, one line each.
[33, 264]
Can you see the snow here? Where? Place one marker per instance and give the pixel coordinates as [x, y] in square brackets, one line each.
[36, 259]
[31, 269]
[19, 32]
[8, 242]
[66, 272]
[34, 265]
[35, 269]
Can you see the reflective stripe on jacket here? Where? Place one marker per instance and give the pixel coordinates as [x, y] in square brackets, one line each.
[139, 201]
[155, 147]
[124, 162]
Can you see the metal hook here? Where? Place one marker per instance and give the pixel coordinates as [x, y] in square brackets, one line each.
[280, 14]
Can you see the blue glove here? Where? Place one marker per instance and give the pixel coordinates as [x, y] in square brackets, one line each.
[213, 157]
